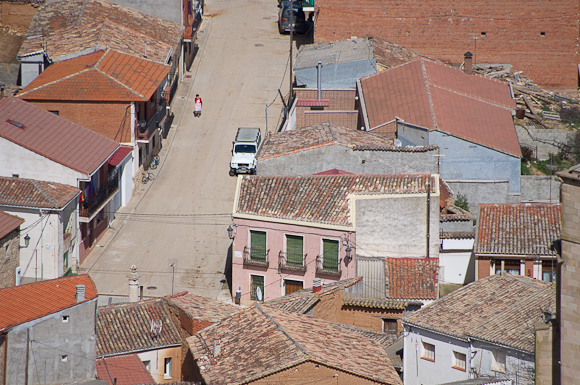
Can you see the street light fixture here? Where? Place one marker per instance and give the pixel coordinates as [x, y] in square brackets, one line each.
[26, 241]
[231, 234]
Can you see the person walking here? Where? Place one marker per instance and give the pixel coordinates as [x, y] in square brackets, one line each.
[198, 104]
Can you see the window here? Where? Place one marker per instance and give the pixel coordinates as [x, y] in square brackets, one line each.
[292, 286]
[548, 271]
[459, 361]
[390, 326]
[64, 358]
[56, 112]
[294, 250]
[167, 371]
[147, 365]
[510, 266]
[257, 287]
[65, 319]
[427, 351]
[498, 361]
[15, 175]
[258, 245]
[330, 254]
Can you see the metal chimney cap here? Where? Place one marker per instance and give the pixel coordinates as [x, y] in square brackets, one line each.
[468, 55]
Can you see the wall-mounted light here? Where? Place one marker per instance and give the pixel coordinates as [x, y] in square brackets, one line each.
[26, 241]
[347, 252]
[232, 231]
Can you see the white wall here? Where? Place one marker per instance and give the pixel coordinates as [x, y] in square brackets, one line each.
[43, 258]
[417, 370]
[15, 159]
[454, 260]
[30, 67]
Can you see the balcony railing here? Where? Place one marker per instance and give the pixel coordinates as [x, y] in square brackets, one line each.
[145, 133]
[89, 206]
[292, 261]
[329, 269]
[256, 257]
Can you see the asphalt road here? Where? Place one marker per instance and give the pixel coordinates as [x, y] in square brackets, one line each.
[181, 217]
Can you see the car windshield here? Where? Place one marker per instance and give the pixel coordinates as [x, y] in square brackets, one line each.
[246, 148]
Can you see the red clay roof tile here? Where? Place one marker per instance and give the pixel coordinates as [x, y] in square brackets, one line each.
[439, 97]
[99, 76]
[127, 369]
[20, 304]
[518, 228]
[411, 278]
[20, 192]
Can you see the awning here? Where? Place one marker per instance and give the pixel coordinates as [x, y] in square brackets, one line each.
[119, 155]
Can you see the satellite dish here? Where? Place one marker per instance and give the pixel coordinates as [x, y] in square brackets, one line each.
[259, 293]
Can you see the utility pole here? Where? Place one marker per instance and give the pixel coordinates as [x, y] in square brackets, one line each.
[291, 41]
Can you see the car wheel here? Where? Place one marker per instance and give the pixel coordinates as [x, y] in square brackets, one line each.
[280, 30]
[232, 172]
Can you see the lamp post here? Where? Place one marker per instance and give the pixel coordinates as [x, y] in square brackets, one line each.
[172, 276]
[26, 241]
[231, 234]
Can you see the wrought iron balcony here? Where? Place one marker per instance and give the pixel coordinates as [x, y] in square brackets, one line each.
[145, 130]
[291, 261]
[89, 206]
[329, 269]
[256, 257]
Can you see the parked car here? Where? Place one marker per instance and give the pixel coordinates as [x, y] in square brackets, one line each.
[299, 18]
[244, 151]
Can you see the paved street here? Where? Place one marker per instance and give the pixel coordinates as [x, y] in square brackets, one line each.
[182, 216]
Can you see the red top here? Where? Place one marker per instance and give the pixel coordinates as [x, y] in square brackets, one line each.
[198, 100]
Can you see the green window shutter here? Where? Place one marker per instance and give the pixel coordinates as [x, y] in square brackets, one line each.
[257, 282]
[294, 250]
[329, 254]
[258, 245]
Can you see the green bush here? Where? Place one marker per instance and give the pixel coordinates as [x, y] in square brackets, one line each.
[461, 202]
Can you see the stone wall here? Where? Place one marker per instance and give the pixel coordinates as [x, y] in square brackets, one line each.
[542, 141]
[540, 188]
[9, 258]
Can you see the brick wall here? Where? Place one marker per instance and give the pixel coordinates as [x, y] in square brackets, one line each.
[388, 130]
[112, 120]
[347, 119]
[17, 14]
[537, 37]
[313, 373]
[9, 258]
[483, 266]
[338, 99]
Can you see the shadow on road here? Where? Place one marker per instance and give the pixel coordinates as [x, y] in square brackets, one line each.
[228, 269]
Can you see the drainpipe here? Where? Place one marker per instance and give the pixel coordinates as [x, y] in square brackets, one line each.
[319, 79]
[428, 215]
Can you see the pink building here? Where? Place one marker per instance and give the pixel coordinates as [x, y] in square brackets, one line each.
[291, 230]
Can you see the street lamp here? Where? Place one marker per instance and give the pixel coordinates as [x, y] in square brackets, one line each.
[172, 276]
[347, 253]
[231, 234]
[26, 241]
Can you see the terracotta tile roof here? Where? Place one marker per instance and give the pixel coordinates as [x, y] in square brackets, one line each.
[411, 278]
[301, 301]
[20, 192]
[302, 139]
[53, 137]
[203, 308]
[8, 223]
[126, 328]
[262, 340]
[518, 228]
[498, 309]
[321, 199]
[453, 213]
[376, 303]
[439, 97]
[127, 369]
[20, 304]
[457, 235]
[384, 339]
[98, 35]
[99, 76]
[58, 15]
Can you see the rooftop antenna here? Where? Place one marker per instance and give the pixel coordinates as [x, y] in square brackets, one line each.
[156, 326]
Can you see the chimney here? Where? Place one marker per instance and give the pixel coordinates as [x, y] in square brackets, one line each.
[216, 348]
[80, 296]
[316, 285]
[133, 284]
[468, 63]
[319, 79]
